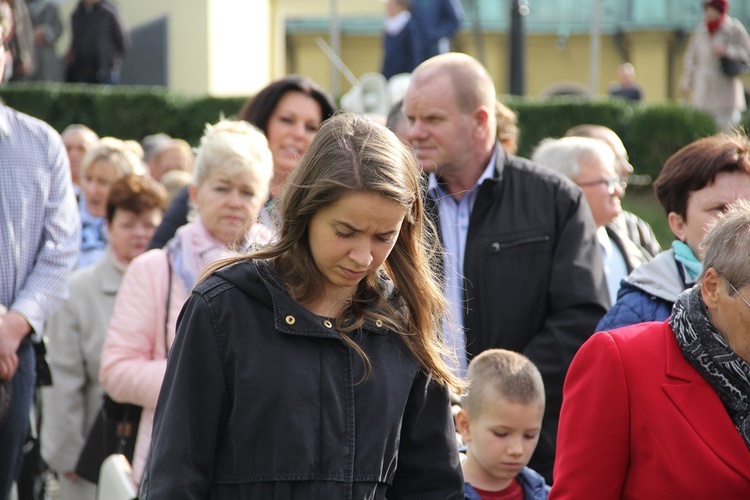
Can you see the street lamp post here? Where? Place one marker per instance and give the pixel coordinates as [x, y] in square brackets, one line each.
[516, 43]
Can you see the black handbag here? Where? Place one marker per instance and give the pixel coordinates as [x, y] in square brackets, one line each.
[734, 67]
[116, 426]
[113, 431]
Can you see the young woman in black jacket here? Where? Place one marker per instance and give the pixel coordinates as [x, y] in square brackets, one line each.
[314, 368]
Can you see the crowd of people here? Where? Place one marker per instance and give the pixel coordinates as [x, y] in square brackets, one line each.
[313, 305]
[99, 40]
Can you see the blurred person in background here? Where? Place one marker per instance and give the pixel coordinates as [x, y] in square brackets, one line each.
[627, 225]
[288, 111]
[703, 81]
[47, 30]
[174, 154]
[76, 332]
[402, 43]
[232, 174]
[626, 86]
[591, 164]
[99, 39]
[78, 140]
[106, 162]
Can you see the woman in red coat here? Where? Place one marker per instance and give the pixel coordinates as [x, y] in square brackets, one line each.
[662, 410]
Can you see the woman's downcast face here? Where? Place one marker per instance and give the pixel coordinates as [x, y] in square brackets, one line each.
[351, 239]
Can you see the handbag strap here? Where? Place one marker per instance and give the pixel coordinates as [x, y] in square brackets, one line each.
[169, 300]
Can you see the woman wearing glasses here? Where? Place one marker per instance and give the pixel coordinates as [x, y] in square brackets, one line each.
[695, 186]
[661, 410]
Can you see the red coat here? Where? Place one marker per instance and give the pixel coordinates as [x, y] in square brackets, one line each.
[638, 421]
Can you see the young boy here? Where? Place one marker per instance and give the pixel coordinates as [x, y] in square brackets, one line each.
[500, 421]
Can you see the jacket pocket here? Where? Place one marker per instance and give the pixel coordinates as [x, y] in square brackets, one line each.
[496, 247]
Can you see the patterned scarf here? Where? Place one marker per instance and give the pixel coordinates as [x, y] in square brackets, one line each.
[707, 351]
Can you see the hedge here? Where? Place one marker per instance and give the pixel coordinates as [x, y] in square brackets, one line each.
[120, 111]
[651, 132]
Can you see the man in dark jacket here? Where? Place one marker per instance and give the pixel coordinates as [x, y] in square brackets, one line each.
[522, 264]
[99, 41]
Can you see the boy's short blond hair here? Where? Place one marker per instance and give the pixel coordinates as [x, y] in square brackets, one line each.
[499, 373]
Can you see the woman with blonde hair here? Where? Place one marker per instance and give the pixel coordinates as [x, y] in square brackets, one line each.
[232, 174]
[109, 160]
[314, 368]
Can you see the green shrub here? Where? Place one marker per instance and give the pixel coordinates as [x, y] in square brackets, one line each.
[651, 133]
[553, 116]
[655, 132]
[120, 111]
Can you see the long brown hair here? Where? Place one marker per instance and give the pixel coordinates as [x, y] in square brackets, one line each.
[352, 154]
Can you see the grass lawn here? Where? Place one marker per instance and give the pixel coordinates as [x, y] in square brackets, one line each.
[642, 202]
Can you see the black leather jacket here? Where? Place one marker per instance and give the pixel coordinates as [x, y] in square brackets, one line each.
[533, 276]
[262, 399]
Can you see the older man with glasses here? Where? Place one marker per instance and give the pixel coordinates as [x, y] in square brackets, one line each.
[592, 165]
[627, 225]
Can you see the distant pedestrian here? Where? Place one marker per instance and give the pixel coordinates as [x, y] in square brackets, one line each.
[47, 30]
[626, 87]
[703, 80]
[99, 41]
[438, 21]
[403, 47]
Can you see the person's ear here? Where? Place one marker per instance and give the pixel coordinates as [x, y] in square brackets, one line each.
[481, 121]
[711, 288]
[463, 424]
[678, 225]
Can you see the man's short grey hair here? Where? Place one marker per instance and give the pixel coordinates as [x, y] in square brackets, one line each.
[563, 155]
[726, 246]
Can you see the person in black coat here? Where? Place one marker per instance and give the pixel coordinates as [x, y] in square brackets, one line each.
[314, 368]
[523, 270]
[100, 38]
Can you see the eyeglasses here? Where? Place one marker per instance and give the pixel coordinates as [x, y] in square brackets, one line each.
[610, 183]
[736, 291]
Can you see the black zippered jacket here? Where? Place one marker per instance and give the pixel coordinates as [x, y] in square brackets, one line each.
[534, 281]
[262, 399]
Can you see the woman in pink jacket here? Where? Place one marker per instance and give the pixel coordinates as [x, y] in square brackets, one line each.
[232, 173]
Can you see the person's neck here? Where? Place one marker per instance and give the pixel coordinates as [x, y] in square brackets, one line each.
[277, 184]
[461, 179]
[331, 304]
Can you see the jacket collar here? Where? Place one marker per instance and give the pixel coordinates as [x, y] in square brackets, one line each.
[289, 316]
[700, 405]
[108, 276]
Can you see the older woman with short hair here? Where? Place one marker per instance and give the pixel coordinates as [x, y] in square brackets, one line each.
[662, 410]
[231, 178]
[110, 159]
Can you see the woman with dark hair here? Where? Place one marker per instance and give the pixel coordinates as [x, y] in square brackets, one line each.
[288, 111]
[695, 186]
